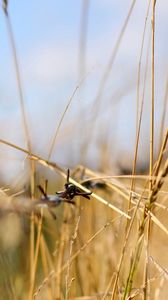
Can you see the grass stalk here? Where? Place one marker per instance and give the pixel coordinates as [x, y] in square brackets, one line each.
[54, 274]
[134, 264]
[137, 252]
[25, 126]
[165, 101]
[108, 69]
[45, 266]
[139, 117]
[152, 93]
[60, 122]
[151, 140]
[39, 232]
[60, 257]
[18, 77]
[68, 281]
[55, 167]
[147, 212]
[128, 228]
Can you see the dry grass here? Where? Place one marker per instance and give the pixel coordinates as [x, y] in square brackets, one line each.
[112, 246]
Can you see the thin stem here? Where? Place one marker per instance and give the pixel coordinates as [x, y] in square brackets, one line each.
[54, 166]
[152, 93]
[25, 126]
[101, 88]
[165, 103]
[18, 79]
[139, 118]
[151, 139]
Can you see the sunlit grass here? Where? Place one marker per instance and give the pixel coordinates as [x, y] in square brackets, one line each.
[112, 246]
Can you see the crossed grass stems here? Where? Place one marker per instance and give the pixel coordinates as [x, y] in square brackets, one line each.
[70, 192]
[149, 206]
[147, 209]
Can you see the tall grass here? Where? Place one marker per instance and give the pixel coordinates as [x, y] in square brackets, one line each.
[112, 246]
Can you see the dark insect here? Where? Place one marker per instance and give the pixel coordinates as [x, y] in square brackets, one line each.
[71, 190]
[67, 195]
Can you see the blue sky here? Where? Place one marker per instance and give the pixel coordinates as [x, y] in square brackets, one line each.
[47, 38]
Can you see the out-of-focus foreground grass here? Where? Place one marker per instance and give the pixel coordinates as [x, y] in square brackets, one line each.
[112, 246]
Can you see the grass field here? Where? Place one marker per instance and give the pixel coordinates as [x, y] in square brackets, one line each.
[111, 246]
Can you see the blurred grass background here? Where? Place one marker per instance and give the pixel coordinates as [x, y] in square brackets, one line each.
[84, 85]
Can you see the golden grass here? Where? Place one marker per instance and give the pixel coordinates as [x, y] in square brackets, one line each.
[112, 246]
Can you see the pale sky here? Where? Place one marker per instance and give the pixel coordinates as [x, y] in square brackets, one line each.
[47, 35]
